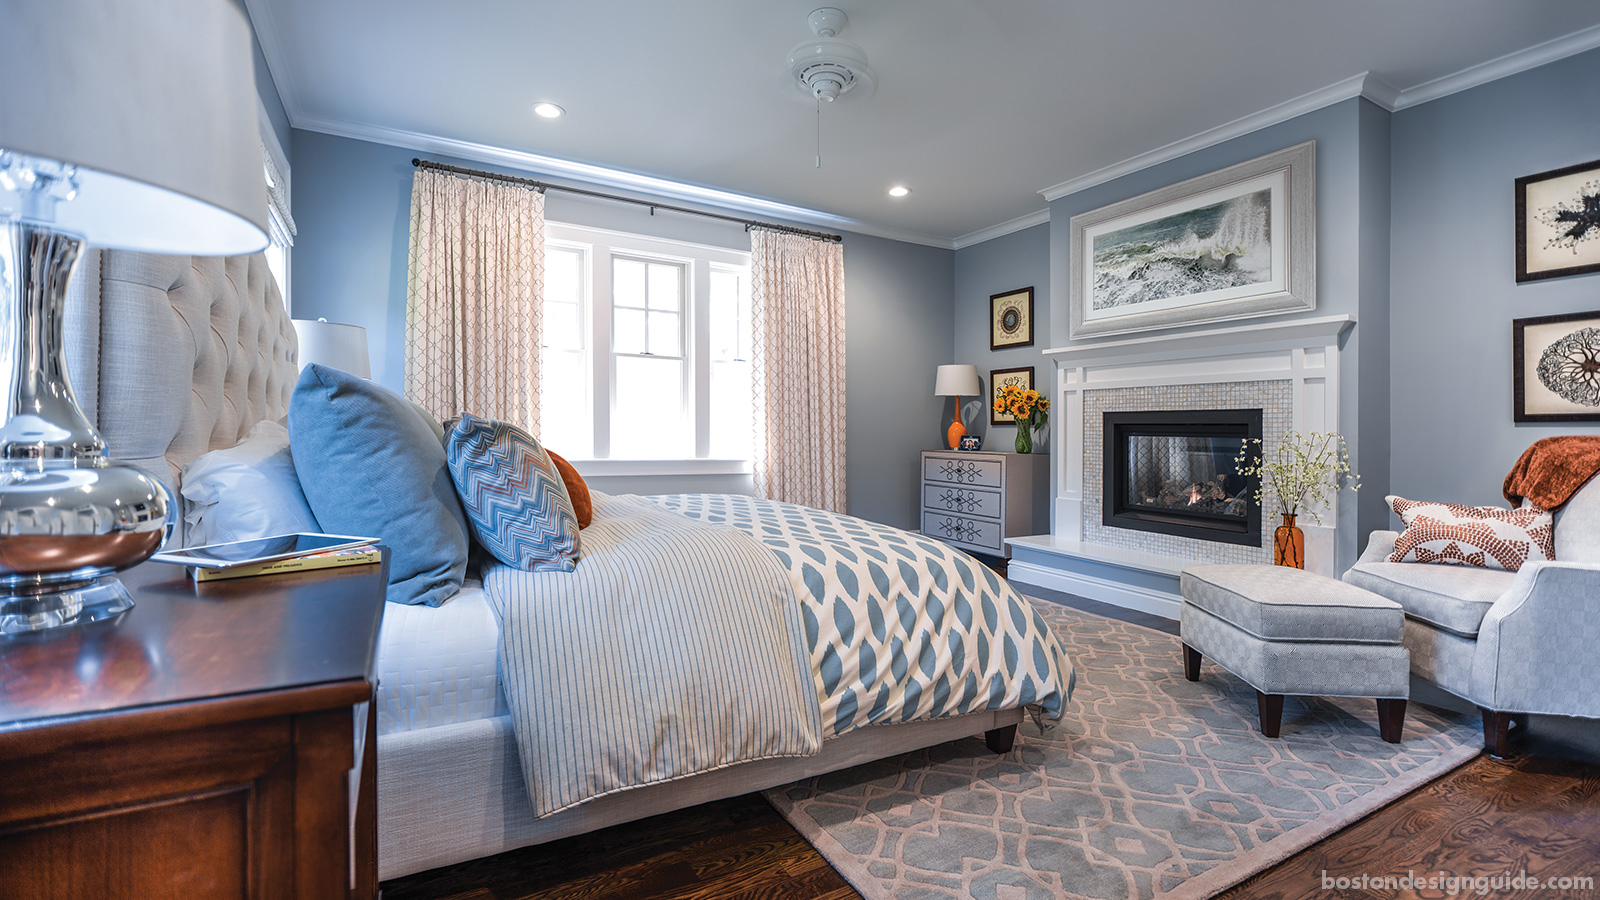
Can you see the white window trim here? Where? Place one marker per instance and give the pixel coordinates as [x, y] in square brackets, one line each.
[280, 162]
[698, 260]
[603, 468]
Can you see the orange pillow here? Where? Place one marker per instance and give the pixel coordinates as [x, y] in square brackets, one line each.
[577, 491]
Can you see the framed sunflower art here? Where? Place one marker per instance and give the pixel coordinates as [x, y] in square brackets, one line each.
[1011, 319]
[1021, 378]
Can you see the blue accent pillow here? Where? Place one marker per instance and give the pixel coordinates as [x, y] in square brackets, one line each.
[370, 465]
[515, 498]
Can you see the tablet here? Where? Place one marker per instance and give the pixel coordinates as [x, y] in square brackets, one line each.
[244, 553]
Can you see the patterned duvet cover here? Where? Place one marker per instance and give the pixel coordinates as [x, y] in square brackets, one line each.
[888, 626]
[900, 626]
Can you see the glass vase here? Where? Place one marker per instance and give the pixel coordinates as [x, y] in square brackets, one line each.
[1289, 544]
[1024, 436]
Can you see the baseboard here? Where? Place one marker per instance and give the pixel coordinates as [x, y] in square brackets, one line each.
[1159, 603]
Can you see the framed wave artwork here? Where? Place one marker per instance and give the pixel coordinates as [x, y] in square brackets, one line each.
[1233, 244]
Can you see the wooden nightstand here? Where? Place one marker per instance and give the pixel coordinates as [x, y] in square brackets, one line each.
[205, 744]
[976, 500]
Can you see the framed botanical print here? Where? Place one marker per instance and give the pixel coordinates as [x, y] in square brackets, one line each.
[1555, 363]
[1021, 376]
[1011, 319]
[1558, 222]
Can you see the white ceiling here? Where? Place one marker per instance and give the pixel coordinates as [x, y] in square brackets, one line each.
[980, 104]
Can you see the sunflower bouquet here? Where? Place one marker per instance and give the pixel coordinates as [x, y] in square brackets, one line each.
[1030, 410]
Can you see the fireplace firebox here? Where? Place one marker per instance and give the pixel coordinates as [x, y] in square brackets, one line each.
[1173, 472]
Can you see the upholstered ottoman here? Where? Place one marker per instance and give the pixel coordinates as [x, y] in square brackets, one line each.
[1287, 631]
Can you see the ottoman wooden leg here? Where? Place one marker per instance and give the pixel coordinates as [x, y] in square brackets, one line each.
[1391, 719]
[1191, 663]
[1270, 706]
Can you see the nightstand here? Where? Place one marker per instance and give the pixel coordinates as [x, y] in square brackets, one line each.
[977, 500]
[215, 741]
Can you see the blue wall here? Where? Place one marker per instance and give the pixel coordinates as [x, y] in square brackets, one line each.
[1017, 260]
[352, 204]
[1454, 284]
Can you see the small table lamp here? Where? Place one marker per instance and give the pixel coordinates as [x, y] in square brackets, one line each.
[334, 345]
[131, 127]
[957, 382]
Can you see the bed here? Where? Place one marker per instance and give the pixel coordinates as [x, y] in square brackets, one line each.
[174, 357]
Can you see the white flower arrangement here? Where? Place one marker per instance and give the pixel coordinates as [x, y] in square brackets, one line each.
[1305, 471]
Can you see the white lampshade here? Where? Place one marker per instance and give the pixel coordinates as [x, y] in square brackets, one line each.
[155, 103]
[334, 345]
[956, 381]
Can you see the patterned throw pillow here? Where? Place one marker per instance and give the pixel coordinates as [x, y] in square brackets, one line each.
[1483, 536]
[514, 497]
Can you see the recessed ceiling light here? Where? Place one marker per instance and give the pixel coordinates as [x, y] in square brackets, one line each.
[899, 190]
[548, 110]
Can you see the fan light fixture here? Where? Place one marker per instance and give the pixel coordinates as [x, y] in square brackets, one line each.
[548, 110]
[827, 67]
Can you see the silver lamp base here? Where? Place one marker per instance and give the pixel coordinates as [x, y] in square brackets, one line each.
[100, 599]
[69, 515]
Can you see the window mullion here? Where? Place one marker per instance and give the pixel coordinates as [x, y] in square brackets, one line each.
[602, 364]
[698, 306]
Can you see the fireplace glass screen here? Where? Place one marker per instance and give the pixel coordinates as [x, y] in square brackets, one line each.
[1173, 472]
[1193, 474]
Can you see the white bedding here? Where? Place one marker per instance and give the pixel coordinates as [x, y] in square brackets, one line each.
[437, 666]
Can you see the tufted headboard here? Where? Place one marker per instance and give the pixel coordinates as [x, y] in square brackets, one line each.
[174, 356]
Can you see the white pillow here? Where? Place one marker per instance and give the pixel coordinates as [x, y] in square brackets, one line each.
[245, 492]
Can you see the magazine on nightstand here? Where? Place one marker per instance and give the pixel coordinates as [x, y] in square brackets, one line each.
[327, 559]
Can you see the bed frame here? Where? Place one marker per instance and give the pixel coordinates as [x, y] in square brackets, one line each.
[172, 357]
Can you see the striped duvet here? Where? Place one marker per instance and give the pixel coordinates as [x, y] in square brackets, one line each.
[702, 631]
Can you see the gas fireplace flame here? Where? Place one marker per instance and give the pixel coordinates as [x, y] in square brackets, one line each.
[1194, 495]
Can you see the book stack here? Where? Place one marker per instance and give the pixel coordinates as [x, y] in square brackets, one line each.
[327, 559]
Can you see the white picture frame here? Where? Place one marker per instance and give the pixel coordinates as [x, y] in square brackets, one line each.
[1232, 244]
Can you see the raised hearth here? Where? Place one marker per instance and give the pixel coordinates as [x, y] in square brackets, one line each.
[1174, 472]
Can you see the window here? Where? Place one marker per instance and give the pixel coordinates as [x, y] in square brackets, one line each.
[280, 225]
[645, 351]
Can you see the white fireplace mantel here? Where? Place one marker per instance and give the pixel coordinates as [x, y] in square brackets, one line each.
[1304, 352]
[1253, 338]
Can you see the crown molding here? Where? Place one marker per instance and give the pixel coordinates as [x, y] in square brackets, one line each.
[1510, 64]
[1337, 92]
[617, 179]
[1002, 229]
[266, 31]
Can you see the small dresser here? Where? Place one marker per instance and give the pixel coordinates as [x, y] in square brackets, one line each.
[977, 500]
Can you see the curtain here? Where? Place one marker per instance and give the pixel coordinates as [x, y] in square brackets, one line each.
[797, 317]
[475, 279]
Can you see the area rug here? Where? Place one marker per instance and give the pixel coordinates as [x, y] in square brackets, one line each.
[1152, 786]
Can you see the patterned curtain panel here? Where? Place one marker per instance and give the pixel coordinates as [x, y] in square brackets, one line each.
[797, 312]
[473, 319]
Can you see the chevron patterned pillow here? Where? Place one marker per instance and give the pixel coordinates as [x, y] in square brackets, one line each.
[514, 497]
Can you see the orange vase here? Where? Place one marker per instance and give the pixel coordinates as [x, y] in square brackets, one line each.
[1289, 544]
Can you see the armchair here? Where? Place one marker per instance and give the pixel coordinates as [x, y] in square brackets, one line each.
[1510, 643]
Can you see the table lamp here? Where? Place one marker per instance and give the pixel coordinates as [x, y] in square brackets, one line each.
[128, 126]
[334, 345]
[957, 382]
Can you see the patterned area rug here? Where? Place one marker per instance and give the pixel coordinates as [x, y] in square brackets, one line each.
[1152, 786]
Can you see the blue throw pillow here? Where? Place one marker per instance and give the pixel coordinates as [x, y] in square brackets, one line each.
[370, 465]
[515, 499]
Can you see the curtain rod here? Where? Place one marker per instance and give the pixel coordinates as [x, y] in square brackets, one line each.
[541, 186]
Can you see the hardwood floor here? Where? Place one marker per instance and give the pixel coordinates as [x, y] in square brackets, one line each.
[1538, 813]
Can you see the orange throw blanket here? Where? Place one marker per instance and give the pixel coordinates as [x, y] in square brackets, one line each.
[1552, 470]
